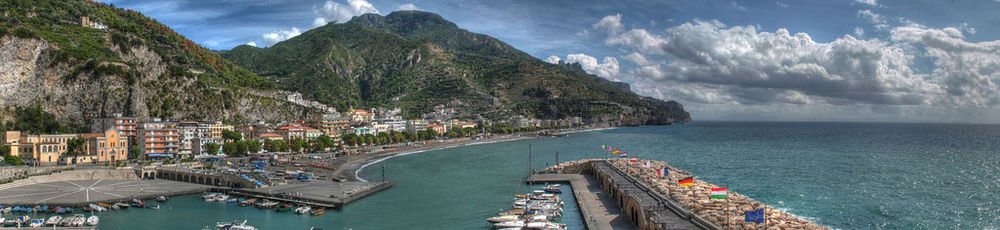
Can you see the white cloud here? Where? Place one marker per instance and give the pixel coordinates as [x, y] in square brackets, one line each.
[608, 68]
[967, 28]
[860, 32]
[877, 20]
[553, 59]
[408, 6]
[867, 2]
[737, 6]
[281, 35]
[781, 4]
[251, 43]
[332, 11]
[317, 22]
[710, 63]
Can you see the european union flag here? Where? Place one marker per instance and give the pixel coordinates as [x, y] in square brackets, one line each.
[756, 216]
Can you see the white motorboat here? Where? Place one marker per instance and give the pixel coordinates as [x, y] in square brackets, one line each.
[161, 198]
[6, 209]
[234, 226]
[93, 220]
[54, 220]
[78, 220]
[506, 218]
[221, 198]
[304, 209]
[509, 224]
[96, 207]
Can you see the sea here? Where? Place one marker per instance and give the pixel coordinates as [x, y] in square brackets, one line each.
[840, 175]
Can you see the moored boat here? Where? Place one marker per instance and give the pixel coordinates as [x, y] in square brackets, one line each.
[509, 224]
[318, 211]
[303, 209]
[505, 218]
[93, 220]
[283, 208]
[161, 199]
[248, 202]
[36, 223]
[53, 220]
[78, 220]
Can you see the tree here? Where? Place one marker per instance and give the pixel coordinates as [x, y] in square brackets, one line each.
[325, 141]
[230, 149]
[211, 148]
[35, 120]
[242, 148]
[74, 147]
[134, 152]
[13, 160]
[232, 135]
[4, 150]
[276, 145]
[253, 146]
[297, 145]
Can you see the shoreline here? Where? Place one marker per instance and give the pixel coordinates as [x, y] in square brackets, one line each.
[360, 164]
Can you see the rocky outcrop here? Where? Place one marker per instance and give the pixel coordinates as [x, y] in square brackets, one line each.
[142, 87]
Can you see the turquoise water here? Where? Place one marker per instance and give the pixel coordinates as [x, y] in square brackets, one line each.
[842, 175]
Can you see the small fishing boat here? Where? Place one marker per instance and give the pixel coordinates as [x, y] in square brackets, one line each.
[93, 221]
[153, 207]
[248, 202]
[36, 223]
[138, 203]
[66, 221]
[78, 220]
[6, 210]
[122, 205]
[95, 207]
[54, 220]
[284, 208]
[267, 204]
[232, 201]
[552, 189]
[161, 199]
[221, 198]
[303, 209]
[318, 211]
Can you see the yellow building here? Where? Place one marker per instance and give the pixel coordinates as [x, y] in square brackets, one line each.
[37, 149]
[109, 146]
[215, 130]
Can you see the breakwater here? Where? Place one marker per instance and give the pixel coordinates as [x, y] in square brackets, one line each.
[653, 201]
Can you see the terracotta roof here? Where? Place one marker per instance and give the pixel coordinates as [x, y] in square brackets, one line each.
[269, 135]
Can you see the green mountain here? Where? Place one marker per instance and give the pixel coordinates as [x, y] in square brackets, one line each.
[418, 60]
[81, 60]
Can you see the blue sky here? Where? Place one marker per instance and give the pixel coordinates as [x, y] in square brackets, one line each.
[853, 60]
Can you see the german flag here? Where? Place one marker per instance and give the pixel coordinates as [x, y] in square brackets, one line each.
[686, 182]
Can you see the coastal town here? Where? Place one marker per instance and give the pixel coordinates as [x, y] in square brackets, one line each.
[121, 139]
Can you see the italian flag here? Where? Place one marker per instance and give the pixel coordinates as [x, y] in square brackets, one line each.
[719, 193]
[686, 182]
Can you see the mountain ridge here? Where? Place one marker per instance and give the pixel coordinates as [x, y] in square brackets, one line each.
[417, 60]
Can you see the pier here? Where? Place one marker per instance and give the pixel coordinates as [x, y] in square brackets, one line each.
[321, 194]
[631, 201]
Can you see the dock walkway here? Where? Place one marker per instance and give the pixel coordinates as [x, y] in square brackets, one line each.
[597, 209]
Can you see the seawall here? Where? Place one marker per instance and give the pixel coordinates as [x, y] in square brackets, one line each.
[656, 202]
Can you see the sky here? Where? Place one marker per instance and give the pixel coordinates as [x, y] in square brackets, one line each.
[849, 60]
